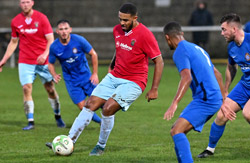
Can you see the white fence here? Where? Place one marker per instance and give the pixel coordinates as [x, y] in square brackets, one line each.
[110, 29]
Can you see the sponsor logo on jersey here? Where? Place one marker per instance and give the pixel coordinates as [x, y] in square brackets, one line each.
[36, 24]
[71, 60]
[247, 56]
[133, 42]
[74, 50]
[123, 46]
[29, 31]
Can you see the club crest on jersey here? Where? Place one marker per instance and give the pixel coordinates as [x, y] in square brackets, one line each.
[247, 56]
[133, 42]
[74, 50]
[36, 24]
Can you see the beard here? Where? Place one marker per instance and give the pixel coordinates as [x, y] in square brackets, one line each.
[129, 28]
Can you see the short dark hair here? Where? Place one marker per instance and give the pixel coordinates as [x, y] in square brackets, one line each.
[128, 8]
[231, 17]
[172, 28]
[62, 21]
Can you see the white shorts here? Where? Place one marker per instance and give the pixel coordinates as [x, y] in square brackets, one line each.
[27, 73]
[123, 91]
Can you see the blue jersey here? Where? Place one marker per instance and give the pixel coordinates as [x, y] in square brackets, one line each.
[241, 55]
[204, 85]
[72, 58]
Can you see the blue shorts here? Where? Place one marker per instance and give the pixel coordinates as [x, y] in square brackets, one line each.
[123, 91]
[240, 94]
[79, 91]
[198, 113]
[27, 73]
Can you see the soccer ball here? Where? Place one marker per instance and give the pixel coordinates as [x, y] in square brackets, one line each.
[62, 145]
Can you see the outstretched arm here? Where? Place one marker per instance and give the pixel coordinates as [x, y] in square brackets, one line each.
[94, 58]
[9, 51]
[184, 83]
[153, 92]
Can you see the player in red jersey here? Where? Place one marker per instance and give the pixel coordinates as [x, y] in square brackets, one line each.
[35, 33]
[127, 78]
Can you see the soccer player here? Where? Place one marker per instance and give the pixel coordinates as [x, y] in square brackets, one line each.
[35, 33]
[70, 50]
[198, 73]
[127, 78]
[238, 98]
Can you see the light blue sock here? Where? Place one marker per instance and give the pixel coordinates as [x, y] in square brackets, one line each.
[96, 118]
[183, 148]
[81, 121]
[106, 128]
[29, 110]
[215, 134]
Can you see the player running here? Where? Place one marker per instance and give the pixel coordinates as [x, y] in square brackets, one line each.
[70, 50]
[35, 33]
[198, 73]
[238, 98]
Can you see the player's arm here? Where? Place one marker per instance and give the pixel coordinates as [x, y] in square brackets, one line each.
[42, 58]
[153, 92]
[230, 74]
[94, 58]
[56, 77]
[9, 51]
[184, 84]
[112, 64]
[220, 82]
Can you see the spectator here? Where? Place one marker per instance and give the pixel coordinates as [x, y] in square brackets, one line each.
[201, 17]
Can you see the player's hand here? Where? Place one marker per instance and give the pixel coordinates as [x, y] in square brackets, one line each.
[94, 79]
[169, 114]
[152, 94]
[227, 112]
[41, 59]
[57, 78]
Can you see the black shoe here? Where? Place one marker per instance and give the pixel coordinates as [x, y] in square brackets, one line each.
[205, 154]
[49, 145]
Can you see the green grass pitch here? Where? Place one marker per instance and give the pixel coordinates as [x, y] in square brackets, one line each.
[139, 135]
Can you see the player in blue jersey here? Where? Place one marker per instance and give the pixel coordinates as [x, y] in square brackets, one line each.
[70, 50]
[238, 98]
[198, 73]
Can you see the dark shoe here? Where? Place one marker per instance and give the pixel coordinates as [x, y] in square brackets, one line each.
[97, 151]
[205, 154]
[49, 145]
[60, 123]
[29, 127]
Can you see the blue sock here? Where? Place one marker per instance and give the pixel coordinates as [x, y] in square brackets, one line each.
[182, 148]
[96, 118]
[215, 134]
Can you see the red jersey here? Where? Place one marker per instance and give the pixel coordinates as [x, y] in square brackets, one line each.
[132, 52]
[31, 35]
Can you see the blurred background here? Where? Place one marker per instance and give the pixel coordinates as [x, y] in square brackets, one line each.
[94, 19]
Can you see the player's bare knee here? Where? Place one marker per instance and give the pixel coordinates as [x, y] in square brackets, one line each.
[174, 131]
[246, 115]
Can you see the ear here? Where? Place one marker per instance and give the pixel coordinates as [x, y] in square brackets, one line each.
[166, 37]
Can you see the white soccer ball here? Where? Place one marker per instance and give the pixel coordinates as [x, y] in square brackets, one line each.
[62, 145]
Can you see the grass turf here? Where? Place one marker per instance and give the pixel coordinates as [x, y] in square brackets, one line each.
[139, 135]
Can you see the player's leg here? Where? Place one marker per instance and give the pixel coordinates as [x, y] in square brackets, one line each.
[217, 129]
[182, 146]
[95, 117]
[85, 116]
[26, 77]
[246, 111]
[47, 80]
[236, 100]
[124, 95]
